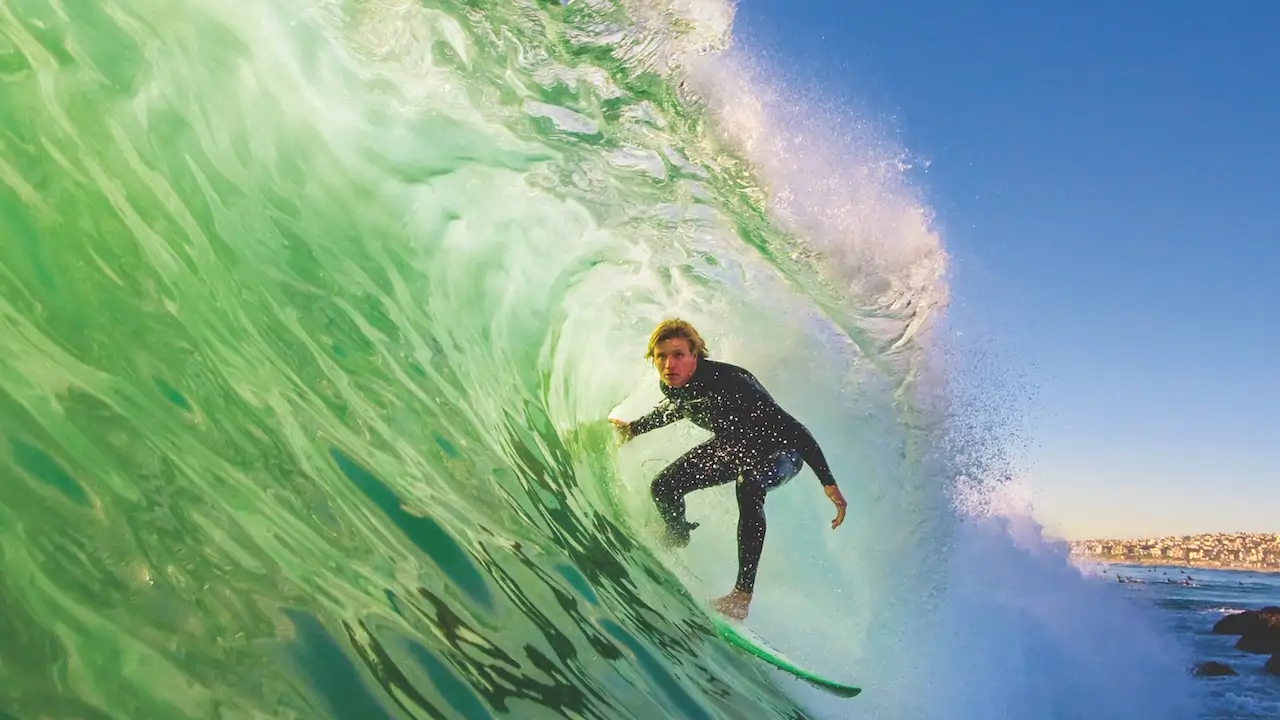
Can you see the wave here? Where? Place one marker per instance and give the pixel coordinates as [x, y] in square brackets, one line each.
[313, 313]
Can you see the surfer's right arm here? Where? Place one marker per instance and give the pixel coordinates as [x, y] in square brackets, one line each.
[665, 413]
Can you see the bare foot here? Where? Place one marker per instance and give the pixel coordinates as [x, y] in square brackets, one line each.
[734, 605]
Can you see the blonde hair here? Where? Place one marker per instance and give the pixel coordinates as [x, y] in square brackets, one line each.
[676, 328]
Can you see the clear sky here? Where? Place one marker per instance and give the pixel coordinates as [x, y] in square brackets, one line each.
[1106, 176]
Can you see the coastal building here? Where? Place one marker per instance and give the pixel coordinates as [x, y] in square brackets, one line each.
[1249, 551]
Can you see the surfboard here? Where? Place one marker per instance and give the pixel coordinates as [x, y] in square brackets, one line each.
[739, 636]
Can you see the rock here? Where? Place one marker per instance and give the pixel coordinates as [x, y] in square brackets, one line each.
[1212, 669]
[1242, 623]
[1273, 665]
[1264, 641]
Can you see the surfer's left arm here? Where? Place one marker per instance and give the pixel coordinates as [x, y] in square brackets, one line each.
[814, 458]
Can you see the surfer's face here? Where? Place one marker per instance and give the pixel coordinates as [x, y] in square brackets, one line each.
[675, 361]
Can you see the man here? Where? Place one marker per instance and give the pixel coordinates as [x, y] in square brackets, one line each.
[756, 443]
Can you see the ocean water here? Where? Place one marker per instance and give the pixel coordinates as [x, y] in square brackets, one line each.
[311, 315]
[1188, 602]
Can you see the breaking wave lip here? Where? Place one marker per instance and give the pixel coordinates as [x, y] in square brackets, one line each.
[835, 184]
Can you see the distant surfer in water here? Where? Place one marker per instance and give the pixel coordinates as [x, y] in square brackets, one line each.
[756, 443]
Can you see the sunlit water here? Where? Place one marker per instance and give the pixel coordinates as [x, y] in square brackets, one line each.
[311, 315]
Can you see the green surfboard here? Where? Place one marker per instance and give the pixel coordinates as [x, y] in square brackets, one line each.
[737, 634]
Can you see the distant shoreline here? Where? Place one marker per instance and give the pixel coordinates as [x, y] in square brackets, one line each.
[1158, 562]
[1246, 552]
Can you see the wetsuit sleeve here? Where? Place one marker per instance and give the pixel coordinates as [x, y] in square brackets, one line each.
[813, 456]
[666, 413]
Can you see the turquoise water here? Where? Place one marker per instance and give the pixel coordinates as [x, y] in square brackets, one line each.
[312, 314]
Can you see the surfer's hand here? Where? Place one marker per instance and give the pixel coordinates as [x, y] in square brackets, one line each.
[623, 428]
[833, 492]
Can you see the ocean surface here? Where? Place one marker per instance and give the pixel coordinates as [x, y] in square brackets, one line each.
[311, 315]
[1188, 601]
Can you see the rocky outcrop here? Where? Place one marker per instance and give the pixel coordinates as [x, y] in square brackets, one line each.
[1264, 642]
[1248, 621]
[1212, 669]
[1259, 630]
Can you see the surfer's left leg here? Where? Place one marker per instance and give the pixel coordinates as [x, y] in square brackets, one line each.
[756, 481]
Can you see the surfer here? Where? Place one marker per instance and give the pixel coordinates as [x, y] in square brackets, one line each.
[756, 443]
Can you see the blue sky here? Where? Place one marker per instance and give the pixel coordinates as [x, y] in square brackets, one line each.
[1106, 177]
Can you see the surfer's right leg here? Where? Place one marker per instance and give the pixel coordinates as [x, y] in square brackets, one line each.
[704, 466]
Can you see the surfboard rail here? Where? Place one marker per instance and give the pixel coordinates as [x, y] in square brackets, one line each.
[742, 638]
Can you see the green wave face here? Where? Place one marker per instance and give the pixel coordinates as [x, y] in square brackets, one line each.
[311, 316]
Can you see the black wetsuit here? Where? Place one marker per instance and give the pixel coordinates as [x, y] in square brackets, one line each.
[755, 439]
